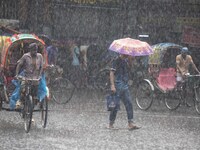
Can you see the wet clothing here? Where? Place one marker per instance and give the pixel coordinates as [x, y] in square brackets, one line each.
[124, 95]
[30, 67]
[41, 91]
[183, 63]
[76, 54]
[121, 69]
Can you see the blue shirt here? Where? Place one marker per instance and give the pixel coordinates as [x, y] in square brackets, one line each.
[76, 53]
[52, 54]
[120, 68]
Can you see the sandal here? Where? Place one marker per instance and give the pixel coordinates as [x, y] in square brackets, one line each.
[133, 127]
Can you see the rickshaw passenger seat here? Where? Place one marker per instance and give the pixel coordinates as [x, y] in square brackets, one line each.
[166, 79]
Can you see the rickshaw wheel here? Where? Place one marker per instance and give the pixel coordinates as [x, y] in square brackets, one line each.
[172, 100]
[197, 99]
[144, 95]
[44, 112]
[197, 93]
[1, 103]
[197, 106]
[1, 97]
[1, 100]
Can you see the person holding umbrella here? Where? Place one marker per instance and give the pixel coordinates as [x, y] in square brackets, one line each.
[119, 86]
[119, 75]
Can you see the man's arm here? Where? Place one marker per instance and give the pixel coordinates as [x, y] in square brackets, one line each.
[41, 66]
[112, 79]
[178, 64]
[193, 65]
[19, 65]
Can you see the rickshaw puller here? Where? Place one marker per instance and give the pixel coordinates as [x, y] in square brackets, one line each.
[31, 64]
[183, 62]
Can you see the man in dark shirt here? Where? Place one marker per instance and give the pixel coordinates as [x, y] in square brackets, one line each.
[52, 52]
[119, 77]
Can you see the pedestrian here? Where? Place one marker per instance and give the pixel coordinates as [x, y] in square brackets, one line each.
[52, 52]
[83, 50]
[76, 67]
[119, 76]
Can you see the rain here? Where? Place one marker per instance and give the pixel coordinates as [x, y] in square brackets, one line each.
[79, 41]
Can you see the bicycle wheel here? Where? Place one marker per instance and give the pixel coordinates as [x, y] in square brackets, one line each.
[144, 95]
[187, 95]
[62, 90]
[197, 107]
[44, 112]
[102, 80]
[197, 93]
[3, 96]
[28, 112]
[173, 100]
[197, 99]
[1, 103]
[1, 99]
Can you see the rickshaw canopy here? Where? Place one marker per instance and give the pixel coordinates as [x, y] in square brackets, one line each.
[160, 49]
[3, 41]
[15, 46]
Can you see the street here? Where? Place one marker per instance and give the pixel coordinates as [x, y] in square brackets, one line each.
[82, 124]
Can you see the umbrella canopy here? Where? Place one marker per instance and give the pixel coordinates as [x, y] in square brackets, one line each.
[131, 47]
[160, 49]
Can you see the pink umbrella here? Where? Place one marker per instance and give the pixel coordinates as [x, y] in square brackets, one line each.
[131, 47]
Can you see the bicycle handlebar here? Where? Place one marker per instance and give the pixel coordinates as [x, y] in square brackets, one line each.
[197, 75]
[22, 78]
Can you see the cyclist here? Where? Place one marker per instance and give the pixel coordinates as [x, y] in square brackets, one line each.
[30, 65]
[183, 61]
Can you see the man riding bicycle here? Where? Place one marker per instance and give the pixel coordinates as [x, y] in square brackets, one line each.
[183, 61]
[30, 65]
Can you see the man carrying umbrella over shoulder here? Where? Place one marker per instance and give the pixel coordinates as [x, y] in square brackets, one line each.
[119, 77]
[119, 86]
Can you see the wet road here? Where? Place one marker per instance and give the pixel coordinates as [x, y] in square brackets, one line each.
[81, 125]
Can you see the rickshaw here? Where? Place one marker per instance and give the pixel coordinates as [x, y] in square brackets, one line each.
[161, 82]
[12, 51]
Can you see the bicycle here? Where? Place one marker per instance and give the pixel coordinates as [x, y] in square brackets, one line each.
[60, 88]
[196, 87]
[29, 101]
[187, 89]
[98, 82]
[26, 110]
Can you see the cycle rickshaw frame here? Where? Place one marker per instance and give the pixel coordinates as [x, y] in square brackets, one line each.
[161, 69]
[12, 46]
[155, 65]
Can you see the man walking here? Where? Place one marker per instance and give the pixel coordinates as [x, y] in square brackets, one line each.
[119, 86]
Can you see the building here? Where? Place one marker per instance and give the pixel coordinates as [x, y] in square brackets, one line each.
[104, 20]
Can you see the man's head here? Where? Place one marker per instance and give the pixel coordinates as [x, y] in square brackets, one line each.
[184, 52]
[33, 48]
